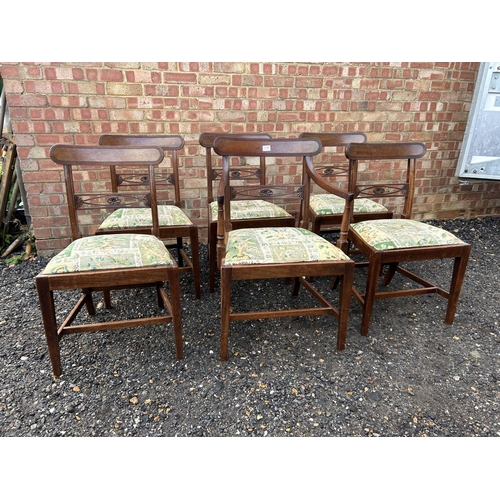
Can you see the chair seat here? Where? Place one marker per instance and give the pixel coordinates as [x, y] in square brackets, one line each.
[251, 209]
[275, 245]
[110, 251]
[168, 215]
[330, 204]
[390, 234]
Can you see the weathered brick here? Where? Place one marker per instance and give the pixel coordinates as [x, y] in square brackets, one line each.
[75, 103]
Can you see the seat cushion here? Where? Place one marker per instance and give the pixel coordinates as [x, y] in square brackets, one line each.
[330, 204]
[251, 209]
[168, 215]
[387, 234]
[276, 245]
[110, 251]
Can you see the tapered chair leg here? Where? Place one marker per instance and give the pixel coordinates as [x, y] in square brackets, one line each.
[369, 296]
[459, 267]
[212, 255]
[174, 286]
[391, 271]
[195, 259]
[225, 311]
[46, 298]
[346, 284]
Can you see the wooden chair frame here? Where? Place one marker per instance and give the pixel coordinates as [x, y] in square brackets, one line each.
[103, 280]
[171, 145]
[410, 152]
[296, 271]
[251, 173]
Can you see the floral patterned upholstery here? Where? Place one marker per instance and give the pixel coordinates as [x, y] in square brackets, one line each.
[390, 234]
[168, 215]
[251, 209]
[330, 204]
[274, 245]
[110, 251]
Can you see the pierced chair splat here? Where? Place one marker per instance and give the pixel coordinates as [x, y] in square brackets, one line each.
[257, 253]
[100, 263]
[251, 207]
[174, 223]
[389, 242]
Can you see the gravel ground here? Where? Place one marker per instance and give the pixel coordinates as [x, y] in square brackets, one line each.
[413, 375]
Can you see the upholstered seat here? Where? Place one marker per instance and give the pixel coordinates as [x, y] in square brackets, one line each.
[330, 204]
[168, 215]
[278, 245]
[251, 209]
[390, 234]
[111, 251]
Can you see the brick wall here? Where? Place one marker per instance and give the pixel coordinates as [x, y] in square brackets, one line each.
[75, 103]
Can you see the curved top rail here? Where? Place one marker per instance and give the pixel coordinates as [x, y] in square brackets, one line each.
[64, 154]
[207, 139]
[266, 147]
[335, 138]
[166, 142]
[385, 151]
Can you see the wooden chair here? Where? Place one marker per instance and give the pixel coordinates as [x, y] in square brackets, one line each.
[174, 223]
[388, 242]
[108, 261]
[254, 253]
[247, 209]
[326, 209]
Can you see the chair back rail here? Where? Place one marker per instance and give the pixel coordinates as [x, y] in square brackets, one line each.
[338, 140]
[386, 151]
[207, 140]
[102, 157]
[170, 144]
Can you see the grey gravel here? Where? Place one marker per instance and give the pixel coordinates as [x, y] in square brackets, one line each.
[413, 375]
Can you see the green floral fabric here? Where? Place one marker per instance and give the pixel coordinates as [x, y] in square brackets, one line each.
[273, 245]
[390, 234]
[110, 251]
[168, 215]
[330, 204]
[251, 209]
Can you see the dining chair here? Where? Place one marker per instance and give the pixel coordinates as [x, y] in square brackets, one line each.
[390, 242]
[326, 209]
[99, 263]
[175, 225]
[247, 209]
[263, 253]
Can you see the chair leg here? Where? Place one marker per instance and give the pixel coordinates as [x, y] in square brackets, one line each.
[195, 258]
[212, 255]
[161, 303]
[316, 226]
[107, 300]
[179, 246]
[175, 300]
[225, 311]
[296, 286]
[457, 280]
[369, 296]
[46, 298]
[346, 284]
[391, 271]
